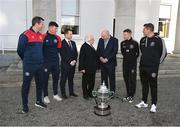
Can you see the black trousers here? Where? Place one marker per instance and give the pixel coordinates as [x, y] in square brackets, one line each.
[54, 69]
[88, 81]
[129, 75]
[108, 73]
[149, 80]
[30, 71]
[67, 73]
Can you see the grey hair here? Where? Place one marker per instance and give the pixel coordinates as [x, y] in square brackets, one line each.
[106, 31]
[88, 37]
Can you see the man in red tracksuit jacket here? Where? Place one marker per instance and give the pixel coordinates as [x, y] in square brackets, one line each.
[30, 51]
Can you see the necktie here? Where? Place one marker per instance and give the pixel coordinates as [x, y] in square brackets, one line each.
[70, 45]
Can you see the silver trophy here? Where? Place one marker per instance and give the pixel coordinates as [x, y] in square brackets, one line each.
[102, 97]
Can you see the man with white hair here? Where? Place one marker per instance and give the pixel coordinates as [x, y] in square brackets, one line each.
[87, 66]
[107, 50]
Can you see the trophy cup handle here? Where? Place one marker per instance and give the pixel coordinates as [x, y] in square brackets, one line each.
[94, 93]
[111, 95]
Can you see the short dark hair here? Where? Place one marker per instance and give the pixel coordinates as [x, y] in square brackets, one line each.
[66, 30]
[128, 31]
[52, 23]
[149, 26]
[37, 19]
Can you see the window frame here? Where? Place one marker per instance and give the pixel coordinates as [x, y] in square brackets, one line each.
[169, 19]
[59, 17]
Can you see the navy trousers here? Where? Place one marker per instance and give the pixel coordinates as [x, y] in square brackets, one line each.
[54, 69]
[67, 73]
[108, 72]
[30, 71]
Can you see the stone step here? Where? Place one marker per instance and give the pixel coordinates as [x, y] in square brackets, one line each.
[164, 69]
[171, 67]
[8, 59]
[165, 66]
[169, 58]
[161, 71]
[12, 77]
[19, 83]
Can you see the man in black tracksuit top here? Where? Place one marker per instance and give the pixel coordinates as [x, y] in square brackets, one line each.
[51, 52]
[130, 52]
[153, 53]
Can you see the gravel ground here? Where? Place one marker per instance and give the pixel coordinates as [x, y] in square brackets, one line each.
[77, 111]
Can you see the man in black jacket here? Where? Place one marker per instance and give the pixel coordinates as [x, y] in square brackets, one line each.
[153, 53]
[51, 47]
[87, 65]
[130, 52]
[69, 56]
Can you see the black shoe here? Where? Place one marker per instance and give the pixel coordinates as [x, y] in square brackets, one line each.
[86, 97]
[64, 96]
[90, 95]
[74, 95]
[25, 109]
[40, 105]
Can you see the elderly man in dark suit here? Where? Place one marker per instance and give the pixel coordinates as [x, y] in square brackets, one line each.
[107, 50]
[87, 65]
[69, 56]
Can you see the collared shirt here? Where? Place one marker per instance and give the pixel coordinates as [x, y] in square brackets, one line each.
[90, 45]
[105, 43]
[69, 42]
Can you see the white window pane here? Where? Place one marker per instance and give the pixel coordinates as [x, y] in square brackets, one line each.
[69, 20]
[12, 17]
[165, 11]
[70, 7]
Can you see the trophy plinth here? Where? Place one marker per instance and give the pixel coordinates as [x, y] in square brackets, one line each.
[102, 111]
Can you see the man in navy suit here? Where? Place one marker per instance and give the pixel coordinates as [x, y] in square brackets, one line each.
[107, 50]
[69, 56]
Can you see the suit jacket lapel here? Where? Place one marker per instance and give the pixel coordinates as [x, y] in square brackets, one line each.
[108, 43]
[71, 47]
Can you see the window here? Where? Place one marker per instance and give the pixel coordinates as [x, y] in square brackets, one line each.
[70, 15]
[164, 20]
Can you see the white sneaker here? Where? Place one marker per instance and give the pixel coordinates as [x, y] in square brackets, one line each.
[153, 108]
[46, 100]
[125, 99]
[57, 98]
[142, 105]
